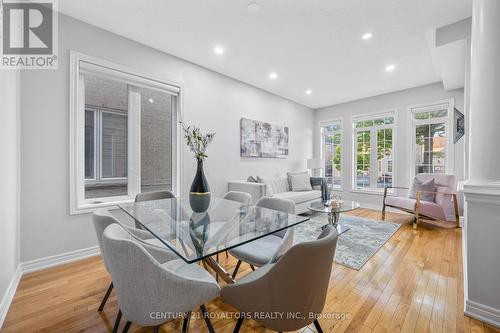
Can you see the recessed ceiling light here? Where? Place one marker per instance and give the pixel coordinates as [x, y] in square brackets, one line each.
[390, 68]
[367, 36]
[253, 7]
[150, 100]
[219, 50]
[308, 92]
[273, 75]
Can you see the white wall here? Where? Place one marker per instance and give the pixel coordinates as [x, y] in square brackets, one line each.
[9, 178]
[399, 101]
[212, 101]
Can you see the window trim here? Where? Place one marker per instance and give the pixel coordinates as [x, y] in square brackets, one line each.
[450, 148]
[77, 132]
[326, 122]
[99, 111]
[368, 116]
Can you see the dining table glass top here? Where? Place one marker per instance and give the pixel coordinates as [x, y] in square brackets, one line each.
[194, 236]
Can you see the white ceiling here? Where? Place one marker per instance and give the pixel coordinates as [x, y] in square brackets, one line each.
[311, 44]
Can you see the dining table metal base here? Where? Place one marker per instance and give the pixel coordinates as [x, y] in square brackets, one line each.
[219, 270]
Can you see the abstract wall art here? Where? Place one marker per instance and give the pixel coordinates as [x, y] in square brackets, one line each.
[260, 139]
[459, 125]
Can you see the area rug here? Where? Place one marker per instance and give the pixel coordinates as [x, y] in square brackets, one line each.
[358, 244]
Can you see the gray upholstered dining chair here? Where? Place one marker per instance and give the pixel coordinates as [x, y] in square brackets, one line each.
[296, 284]
[241, 197]
[266, 249]
[102, 218]
[149, 196]
[158, 195]
[145, 286]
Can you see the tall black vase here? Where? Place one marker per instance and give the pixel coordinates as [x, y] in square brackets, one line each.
[199, 196]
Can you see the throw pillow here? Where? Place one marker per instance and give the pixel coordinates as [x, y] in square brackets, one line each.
[426, 187]
[252, 179]
[300, 181]
[280, 185]
[290, 174]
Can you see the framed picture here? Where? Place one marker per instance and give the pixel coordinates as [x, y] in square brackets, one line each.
[260, 139]
[458, 125]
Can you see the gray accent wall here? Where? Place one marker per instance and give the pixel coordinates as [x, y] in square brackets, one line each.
[210, 100]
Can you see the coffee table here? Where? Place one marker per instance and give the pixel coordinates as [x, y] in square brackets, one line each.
[334, 214]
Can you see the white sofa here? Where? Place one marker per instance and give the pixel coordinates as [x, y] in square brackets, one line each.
[282, 190]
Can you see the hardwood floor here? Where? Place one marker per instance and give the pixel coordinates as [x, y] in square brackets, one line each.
[413, 284]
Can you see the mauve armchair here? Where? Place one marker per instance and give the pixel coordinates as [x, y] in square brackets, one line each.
[443, 208]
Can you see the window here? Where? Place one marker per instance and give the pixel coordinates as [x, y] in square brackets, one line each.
[373, 151]
[123, 134]
[430, 138]
[106, 152]
[331, 150]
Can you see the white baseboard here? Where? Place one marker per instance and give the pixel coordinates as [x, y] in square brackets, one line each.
[59, 259]
[483, 313]
[9, 294]
[37, 265]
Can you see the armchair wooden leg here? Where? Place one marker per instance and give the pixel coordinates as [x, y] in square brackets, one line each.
[417, 207]
[457, 211]
[383, 203]
[156, 329]
[238, 324]
[318, 326]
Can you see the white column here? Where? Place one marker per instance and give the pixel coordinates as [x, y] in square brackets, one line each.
[482, 190]
[485, 92]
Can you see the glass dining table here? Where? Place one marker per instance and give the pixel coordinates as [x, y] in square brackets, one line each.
[198, 237]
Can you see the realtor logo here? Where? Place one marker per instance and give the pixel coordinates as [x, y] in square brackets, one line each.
[29, 34]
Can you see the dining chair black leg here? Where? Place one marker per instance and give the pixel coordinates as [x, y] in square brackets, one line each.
[117, 321]
[318, 326]
[236, 269]
[185, 323]
[207, 318]
[127, 326]
[253, 268]
[238, 324]
[106, 296]
[156, 329]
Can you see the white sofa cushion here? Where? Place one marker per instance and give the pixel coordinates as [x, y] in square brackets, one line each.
[299, 181]
[275, 185]
[299, 197]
